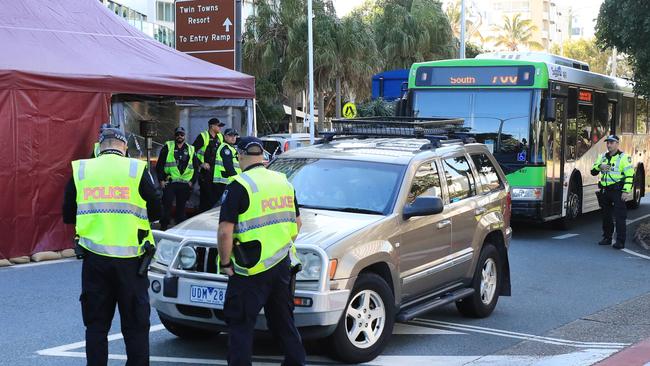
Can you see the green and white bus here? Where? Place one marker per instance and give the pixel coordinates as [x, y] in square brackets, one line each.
[544, 117]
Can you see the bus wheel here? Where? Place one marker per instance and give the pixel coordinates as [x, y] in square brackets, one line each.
[636, 190]
[574, 204]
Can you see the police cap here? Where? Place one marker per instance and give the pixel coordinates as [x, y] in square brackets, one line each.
[112, 133]
[250, 145]
[215, 121]
[612, 138]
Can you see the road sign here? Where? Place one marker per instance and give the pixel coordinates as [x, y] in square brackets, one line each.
[206, 29]
[349, 110]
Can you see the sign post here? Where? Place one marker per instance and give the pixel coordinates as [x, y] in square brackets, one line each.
[207, 29]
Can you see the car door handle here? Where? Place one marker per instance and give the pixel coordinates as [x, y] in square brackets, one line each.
[443, 224]
[480, 211]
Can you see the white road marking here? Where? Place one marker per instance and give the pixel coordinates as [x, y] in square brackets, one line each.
[565, 236]
[63, 350]
[587, 356]
[635, 253]
[38, 264]
[637, 219]
[522, 336]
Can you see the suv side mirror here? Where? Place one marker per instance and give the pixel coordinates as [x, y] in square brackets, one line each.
[549, 109]
[423, 206]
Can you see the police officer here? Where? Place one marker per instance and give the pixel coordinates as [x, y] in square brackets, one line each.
[111, 199]
[176, 169]
[226, 164]
[206, 145]
[616, 180]
[256, 256]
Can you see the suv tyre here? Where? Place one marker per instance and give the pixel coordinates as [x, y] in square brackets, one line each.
[184, 331]
[486, 284]
[367, 323]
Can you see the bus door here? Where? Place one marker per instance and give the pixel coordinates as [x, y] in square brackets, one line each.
[555, 140]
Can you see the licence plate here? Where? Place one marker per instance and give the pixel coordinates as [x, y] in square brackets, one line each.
[207, 295]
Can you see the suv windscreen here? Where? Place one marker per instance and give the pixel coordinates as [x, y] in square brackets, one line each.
[342, 185]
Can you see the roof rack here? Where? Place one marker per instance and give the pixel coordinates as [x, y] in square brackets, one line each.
[439, 131]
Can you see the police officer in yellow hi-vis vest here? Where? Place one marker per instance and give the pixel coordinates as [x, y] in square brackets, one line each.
[206, 145]
[177, 172]
[616, 181]
[111, 199]
[259, 222]
[226, 164]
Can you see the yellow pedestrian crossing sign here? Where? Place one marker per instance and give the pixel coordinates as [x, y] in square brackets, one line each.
[349, 110]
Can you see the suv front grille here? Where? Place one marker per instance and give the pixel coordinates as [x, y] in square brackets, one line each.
[206, 259]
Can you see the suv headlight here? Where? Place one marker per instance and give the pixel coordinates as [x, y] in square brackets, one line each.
[311, 266]
[165, 251]
[534, 194]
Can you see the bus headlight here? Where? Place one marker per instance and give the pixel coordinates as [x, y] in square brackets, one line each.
[311, 266]
[165, 251]
[534, 194]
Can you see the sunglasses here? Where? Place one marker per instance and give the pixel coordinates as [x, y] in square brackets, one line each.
[179, 134]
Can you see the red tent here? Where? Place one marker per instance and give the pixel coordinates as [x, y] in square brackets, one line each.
[61, 62]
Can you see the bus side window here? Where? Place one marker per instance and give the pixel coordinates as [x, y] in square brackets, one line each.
[601, 118]
[583, 142]
[572, 124]
[641, 116]
[627, 115]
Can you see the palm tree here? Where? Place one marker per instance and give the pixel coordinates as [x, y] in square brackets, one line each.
[408, 31]
[516, 32]
[355, 47]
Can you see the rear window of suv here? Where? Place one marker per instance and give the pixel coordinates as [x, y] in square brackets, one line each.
[487, 173]
[460, 180]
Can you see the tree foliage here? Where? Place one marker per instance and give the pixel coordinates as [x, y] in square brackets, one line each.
[588, 51]
[625, 24]
[516, 32]
[408, 31]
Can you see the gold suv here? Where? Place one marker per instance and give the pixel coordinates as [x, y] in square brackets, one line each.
[393, 228]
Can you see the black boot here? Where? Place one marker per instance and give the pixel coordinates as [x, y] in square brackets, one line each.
[605, 241]
[618, 245]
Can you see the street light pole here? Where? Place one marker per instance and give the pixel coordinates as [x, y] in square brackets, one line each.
[310, 46]
[462, 29]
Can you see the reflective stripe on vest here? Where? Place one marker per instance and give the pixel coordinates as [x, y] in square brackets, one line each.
[111, 214]
[219, 170]
[270, 218]
[171, 165]
[256, 223]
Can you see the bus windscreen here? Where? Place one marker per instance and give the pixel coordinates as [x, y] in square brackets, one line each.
[475, 76]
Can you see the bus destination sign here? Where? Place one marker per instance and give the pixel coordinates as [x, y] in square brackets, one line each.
[476, 76]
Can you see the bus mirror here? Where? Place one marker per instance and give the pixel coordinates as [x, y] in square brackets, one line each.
[549, 109]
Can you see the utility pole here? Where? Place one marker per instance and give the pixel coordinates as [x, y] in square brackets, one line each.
[462, 29]
[310, 43]
[238, 38]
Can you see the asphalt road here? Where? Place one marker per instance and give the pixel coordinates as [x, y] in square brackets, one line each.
[573, 303]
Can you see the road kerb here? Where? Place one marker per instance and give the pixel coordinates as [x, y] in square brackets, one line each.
[636, 355]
